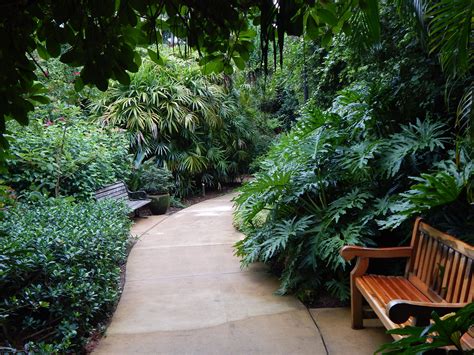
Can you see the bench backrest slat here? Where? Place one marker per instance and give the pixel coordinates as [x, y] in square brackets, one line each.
[115, 191]
[441, 266]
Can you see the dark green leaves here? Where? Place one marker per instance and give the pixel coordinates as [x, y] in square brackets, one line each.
[445, 331]
[450, 31]
[155, 56]
[60, 268]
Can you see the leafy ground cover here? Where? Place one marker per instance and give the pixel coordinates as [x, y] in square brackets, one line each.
[59, 271]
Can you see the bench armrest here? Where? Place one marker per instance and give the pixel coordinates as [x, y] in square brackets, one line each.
[399, 311]
[137, 195]
[349, 252]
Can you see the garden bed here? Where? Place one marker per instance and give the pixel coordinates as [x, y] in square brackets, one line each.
[60, 272]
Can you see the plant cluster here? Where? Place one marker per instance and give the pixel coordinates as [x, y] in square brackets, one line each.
[360, 163]
[153, 179]
[188, 123]
[59, 272]
[443, 332]
[101, 38]
[62, 153]
[333, 181]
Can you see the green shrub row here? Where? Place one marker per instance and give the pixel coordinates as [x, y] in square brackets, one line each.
[59, 271]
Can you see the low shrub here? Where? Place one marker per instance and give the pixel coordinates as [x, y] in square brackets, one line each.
[58, 155]
[59, 271]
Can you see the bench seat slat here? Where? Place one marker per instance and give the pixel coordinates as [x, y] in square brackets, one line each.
[119, 191]
[135, 204]
[381, 286]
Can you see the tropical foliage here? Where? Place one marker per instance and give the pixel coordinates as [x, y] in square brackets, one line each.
[443, 332]
[184, 121]
[59, 272]
[153, 179]
[332, 181]
[101, 38]
[360, 163]
[61, 153]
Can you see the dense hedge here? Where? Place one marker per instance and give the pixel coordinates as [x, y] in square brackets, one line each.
[59, 271]
[65, 155]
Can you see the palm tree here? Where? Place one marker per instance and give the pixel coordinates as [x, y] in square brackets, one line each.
[185, 121]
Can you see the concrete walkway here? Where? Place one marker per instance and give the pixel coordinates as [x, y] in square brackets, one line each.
[186, 294]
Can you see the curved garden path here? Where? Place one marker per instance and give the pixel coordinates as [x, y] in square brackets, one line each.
[186, 294]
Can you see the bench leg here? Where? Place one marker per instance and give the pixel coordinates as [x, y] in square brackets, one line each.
[356, 307]
[356, 297]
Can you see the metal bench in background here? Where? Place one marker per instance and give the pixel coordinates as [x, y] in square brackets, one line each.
[119, 191]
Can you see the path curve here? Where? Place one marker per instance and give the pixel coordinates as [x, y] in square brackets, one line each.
[186, 294]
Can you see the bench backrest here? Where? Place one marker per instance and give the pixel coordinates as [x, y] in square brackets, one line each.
[441, 266]
[115, 191]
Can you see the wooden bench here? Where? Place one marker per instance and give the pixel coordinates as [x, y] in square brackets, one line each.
[438, 277]
[119, 191]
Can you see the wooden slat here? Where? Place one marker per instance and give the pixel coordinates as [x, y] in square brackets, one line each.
[415, 242]
[434, 268]
[419, 253]
[470, 298]
[441, 269]
[466, 282]
[452, 277]
[459, 279]
[431, 263]
[110, 188]
[447, 272]
[426, 262]
[109, 191]
[120, 185]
